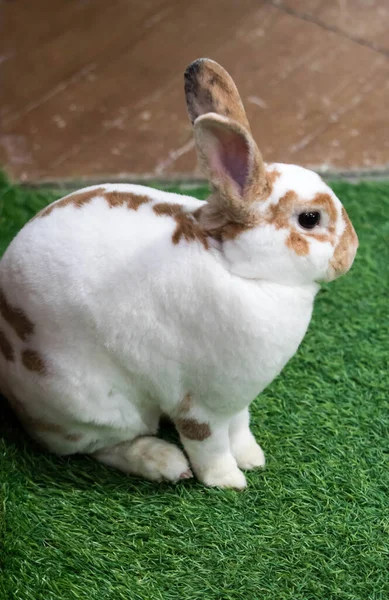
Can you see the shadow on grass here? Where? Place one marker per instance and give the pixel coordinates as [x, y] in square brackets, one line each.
[78, 471]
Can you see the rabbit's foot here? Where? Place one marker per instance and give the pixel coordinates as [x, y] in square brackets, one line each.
[148, 457]
[248, 454]
[223, 476]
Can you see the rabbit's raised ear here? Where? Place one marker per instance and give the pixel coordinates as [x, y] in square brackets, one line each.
[209, 88]
[231, 160]
[227, 152]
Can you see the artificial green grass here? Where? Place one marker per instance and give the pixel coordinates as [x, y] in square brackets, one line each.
[313, 525]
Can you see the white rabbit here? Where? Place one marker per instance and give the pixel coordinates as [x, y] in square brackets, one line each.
[120, 303]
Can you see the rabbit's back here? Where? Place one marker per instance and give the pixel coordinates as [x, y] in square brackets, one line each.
[80, 286]
[95, 228]
[87, 246]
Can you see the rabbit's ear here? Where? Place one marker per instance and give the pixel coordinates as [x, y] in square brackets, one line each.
[230, 158]
[209, 88]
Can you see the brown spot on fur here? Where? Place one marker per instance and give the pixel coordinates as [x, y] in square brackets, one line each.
[6, 347]
[44, 427]
[16, 318]
[114, 198]
[193, 430]
[279, 213]
[344, 251]
[132, 201]
[325, 201]
[321, 237]
[297, 243]
[78, 199]
[33, 361]
[271, 178]
[187, 225]
[189, 230]
[170, 210]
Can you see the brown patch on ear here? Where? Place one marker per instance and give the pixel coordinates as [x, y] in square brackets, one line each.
[210, 89]
[6, 348]
[133, 201]
[258, 186]
[193, 430]
[33, 361]
[16, 318]
[78, 199]
[340, 262]
[187, 225]
[297, 243]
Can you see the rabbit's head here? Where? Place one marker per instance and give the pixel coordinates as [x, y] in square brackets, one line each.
[276, 222]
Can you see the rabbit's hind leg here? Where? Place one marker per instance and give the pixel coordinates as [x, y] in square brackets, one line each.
[148, 457]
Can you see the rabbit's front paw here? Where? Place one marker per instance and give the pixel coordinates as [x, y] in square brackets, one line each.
[165, 462]
[249, 455]
[148, 457]
[216, 477]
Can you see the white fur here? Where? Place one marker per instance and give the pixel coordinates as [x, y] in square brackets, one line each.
[129, 323]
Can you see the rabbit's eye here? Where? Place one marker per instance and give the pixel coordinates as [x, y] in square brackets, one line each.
[309, 220]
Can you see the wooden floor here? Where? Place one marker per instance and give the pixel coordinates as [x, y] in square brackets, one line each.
[94, 88]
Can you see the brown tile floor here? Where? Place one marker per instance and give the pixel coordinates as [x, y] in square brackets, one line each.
[94, 88]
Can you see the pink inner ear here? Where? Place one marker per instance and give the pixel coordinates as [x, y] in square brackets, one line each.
[229, 156]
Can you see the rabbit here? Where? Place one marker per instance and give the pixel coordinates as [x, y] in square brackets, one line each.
[120, 304]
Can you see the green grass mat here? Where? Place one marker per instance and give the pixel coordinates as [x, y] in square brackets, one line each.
[314, 525]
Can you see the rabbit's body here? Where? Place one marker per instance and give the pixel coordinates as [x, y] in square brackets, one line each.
[121, 338]
[120, 303]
